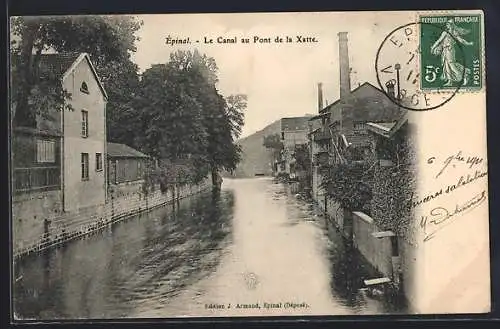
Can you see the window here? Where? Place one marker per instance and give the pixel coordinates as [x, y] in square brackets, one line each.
[84, 88]
[359, 125]
[98, 162]
[85, 166]
[85, 124]
[282, 135]
[45, 151]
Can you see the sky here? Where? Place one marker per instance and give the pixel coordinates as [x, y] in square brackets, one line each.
[280, 79]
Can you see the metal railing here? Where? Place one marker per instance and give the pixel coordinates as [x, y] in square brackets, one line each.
[37, 178]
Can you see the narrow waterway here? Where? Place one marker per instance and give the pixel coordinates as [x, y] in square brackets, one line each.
[253, 249]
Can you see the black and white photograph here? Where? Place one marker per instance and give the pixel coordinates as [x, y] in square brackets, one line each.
[248, 164]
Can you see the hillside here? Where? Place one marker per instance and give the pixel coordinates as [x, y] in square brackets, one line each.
[256, 159]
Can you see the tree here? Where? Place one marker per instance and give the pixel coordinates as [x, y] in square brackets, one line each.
[184, 117]
[273, 142]
[107, 39]
[121, 81]
[236, 105]
[222, 118]
[302, 157]
[170, 121]
[303, 164]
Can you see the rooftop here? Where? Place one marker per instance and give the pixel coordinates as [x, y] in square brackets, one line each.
[117, 150]
[55, 66]
[295, 123]
[385, 126]
[387, 129]
[370, 104]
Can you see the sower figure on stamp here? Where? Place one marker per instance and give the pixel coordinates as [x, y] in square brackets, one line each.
[452, 71]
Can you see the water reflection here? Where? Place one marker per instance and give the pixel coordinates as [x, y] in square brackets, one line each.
[254, 242]
[147, 258]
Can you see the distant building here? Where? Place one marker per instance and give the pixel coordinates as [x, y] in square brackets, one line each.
[348, 119]
[343, 135]
[63, 153]
[387, 137]
[125, 164]
[293, 132]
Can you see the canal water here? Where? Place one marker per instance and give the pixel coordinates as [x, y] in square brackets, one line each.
[255, 248]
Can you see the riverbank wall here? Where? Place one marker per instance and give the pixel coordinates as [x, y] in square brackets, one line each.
[38, 222]
[390, 255]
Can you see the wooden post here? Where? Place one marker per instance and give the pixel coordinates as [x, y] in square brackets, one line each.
[396, 262]
[46, 229]
[112, 204]
[348, 224]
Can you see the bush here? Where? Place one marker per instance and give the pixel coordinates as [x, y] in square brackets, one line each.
[350, 185]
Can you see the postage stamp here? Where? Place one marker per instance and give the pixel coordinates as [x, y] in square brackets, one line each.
[451, 53]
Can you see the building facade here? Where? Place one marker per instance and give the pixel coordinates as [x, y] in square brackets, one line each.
[57, 159]
[84, 137]
[63, 152]
[366, 129]
[294, 131]
[125, 164]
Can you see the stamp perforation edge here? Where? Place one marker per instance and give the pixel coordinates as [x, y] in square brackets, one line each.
[482, 51]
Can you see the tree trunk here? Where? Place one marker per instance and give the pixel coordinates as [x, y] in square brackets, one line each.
[23, 115]
[216, 179]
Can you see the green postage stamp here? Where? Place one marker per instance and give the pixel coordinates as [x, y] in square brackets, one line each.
[451, 54]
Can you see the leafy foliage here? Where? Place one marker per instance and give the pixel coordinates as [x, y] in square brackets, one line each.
[108, 39]
[350, 185]
[394, 185]
[302, 156]
[273, 142]
[182, 116]
[303, 164]
[174, 112]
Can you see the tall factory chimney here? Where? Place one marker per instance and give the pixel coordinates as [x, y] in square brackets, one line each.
[345, 79]
[320, 96]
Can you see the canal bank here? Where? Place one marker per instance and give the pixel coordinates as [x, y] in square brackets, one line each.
[389, 256]
[253, 242]
[35, 232]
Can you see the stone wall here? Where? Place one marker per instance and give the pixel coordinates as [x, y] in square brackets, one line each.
[29, 212]
[335, 213]
[408, 271]
[37, 223]
[378, 252]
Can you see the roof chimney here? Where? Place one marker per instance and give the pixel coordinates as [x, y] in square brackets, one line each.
[320, 97]
[345, 79]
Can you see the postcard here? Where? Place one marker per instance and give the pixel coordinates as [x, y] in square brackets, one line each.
[249, 164]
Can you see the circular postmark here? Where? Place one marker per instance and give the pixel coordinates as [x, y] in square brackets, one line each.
[420, 66]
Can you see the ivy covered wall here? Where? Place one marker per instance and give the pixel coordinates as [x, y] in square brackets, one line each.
[393, 184]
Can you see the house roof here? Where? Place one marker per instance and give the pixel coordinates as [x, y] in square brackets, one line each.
[388, 129]
[319, 116]
[314, 131]
[57, 64]
[295, 123]
[371, 104]
[62, 64]
[117, 150]
[356, 140]
[384, 126]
